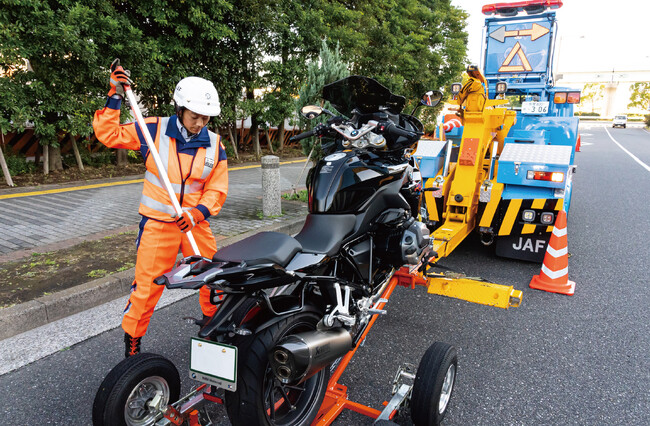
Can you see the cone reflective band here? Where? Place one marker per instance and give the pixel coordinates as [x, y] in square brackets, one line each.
[162, 173]
[449, 125]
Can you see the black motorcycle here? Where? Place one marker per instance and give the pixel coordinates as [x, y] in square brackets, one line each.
[290, 307]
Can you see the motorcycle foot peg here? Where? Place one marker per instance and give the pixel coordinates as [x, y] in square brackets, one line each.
[372, 311]
[195, 321]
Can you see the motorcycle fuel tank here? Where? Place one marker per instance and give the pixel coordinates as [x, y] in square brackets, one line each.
[343, 182]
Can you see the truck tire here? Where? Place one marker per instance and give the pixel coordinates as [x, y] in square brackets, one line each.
[434, 384]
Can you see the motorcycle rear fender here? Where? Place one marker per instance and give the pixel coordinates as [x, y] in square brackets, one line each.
[308, 307]
[222, 322]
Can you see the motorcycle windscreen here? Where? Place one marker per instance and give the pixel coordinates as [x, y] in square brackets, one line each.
[362, 93]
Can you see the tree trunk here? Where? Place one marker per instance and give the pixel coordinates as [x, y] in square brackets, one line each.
[255, 132]
[268, 140]
[77, 157]
[56, 164]
[3, 163]
[232, 135]
[122, 157]
[281, 132]
[46, 159]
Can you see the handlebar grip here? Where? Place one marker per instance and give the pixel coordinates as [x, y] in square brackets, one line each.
[392, 129]
[303, 135]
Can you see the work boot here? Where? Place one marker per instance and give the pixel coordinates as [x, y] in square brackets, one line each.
[131, 345]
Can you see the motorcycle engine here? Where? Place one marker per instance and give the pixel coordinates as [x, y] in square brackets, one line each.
[405, 243]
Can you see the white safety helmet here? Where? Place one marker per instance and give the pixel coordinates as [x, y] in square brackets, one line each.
[198, 95]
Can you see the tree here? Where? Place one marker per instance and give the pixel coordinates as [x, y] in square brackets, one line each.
[592, 92]
[328, 68]
[408, 46]
[640, 95]
[292, 42]
[53, 52]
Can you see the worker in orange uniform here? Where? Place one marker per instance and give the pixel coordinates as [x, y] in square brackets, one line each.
[195, 161]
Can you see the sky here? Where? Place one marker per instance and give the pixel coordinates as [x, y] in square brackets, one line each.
[593, 35]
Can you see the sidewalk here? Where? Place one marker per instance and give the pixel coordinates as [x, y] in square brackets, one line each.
[53, 217]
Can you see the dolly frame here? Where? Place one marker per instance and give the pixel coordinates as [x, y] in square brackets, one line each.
[336, 398]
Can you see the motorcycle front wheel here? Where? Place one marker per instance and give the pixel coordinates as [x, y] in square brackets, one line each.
[260, 398]
[134, 390]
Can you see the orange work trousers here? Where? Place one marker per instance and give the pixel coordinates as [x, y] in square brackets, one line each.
[157, 250]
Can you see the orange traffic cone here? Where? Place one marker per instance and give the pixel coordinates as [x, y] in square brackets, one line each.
[578, 144]
[554, 276]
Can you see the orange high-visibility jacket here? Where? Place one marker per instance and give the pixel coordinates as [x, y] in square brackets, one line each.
[197, 170]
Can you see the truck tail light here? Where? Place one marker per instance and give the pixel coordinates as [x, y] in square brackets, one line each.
[528, 215]
[559, 98]
[547, 176]
[547, 218]
[573, 98]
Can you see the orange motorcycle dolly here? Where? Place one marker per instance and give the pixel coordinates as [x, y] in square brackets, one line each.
[336, 398]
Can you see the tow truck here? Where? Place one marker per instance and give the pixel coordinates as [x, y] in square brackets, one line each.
[508, 170]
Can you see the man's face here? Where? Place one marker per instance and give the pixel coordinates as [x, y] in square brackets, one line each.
[194, 122]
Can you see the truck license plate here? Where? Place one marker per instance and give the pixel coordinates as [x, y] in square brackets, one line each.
[534, 107]
[214, 363]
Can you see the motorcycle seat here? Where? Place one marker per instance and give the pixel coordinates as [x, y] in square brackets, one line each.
[323, 233]
[265, 247]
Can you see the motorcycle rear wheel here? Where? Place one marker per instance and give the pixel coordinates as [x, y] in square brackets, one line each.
[260, 398]
[123, 397]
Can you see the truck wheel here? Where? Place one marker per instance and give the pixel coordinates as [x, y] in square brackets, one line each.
[260, 398]
[126, 393]
[434, 384]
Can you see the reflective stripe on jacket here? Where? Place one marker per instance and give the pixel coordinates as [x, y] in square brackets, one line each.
[198, 174]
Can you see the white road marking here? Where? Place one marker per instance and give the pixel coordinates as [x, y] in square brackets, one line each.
[634, 157]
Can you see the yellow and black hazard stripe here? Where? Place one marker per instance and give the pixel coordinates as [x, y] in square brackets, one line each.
[504, 216]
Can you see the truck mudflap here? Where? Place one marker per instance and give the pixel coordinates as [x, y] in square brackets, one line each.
[517, 228]
[531, 248]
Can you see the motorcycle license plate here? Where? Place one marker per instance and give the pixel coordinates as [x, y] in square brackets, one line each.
[214, 363]
[534, 107]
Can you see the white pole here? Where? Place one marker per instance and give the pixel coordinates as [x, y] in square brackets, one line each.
[162, 173]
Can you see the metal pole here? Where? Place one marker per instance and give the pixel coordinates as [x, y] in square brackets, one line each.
[162, 173]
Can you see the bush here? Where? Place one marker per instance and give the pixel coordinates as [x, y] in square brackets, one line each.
[647, 120]
[587, 114]
[19, 165]
[96, 159]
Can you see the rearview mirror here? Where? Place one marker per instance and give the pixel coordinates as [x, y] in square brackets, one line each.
[431, 98]
[311, 111]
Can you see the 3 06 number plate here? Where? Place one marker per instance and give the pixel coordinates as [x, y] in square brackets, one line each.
[534, 107]
[214, 363]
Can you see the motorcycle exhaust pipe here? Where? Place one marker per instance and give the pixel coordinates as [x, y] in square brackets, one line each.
[299, 356]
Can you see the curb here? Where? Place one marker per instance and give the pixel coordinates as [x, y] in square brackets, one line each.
[52, 307]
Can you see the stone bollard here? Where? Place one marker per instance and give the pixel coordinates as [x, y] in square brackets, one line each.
[271, 186]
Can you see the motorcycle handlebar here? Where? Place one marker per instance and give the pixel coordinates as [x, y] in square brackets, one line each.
[316, 131]
[393, 130]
